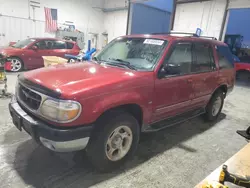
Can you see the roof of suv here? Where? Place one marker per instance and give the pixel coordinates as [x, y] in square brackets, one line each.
[170, 37]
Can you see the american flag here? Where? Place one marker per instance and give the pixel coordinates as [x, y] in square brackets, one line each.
[50, 20]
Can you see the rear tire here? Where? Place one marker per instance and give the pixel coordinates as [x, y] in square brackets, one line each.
[114, 140]
[214, 106]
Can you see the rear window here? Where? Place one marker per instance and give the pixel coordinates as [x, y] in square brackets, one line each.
[225, 57]
[70, 45]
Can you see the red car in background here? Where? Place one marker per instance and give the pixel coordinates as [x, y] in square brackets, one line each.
[27, 54]
[242, 69]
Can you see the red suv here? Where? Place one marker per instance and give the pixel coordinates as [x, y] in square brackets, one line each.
[27, 54]
[139, 83]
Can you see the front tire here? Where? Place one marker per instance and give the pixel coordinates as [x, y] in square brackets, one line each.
[16, 64]
[114, 140]
[214, 106]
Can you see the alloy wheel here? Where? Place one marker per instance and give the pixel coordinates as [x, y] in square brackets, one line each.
[216, 106]
[119, 143]
[16, 65]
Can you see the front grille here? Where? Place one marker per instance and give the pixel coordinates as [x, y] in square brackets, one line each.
[29, 98]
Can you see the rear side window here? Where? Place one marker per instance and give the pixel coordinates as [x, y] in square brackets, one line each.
[70, 45]
[59, 45]
[225, 57]
[203, 58]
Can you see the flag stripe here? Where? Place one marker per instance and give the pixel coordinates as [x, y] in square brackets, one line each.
[50, 19]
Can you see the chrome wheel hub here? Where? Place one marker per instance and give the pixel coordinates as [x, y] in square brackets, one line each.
[16, 65]
[216, 106]
[119, 143]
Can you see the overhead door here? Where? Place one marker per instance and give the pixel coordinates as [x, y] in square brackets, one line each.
[206, 15]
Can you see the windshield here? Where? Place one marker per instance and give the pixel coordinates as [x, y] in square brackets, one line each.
[140, 53]
[23, 43]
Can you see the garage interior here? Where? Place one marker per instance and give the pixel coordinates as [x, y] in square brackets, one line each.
[179, 156]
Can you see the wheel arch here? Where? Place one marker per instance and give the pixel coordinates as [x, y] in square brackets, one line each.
[132, 108]
[223, 88]
[15, 56]
[18, 57]
[243, 70]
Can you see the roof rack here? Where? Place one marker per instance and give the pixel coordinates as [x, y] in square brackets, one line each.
[206, 37]
[176, 33]
[189, 34]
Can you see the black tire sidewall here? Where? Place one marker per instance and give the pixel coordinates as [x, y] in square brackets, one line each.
[209, 116]
[97, 145]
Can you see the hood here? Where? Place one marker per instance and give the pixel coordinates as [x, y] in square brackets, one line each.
[85, 78]
[7, 50]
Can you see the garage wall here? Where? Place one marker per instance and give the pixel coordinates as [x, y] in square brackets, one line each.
[115, 24]
[239, 4]
[115, 18]
[15, 23]
[206, 15]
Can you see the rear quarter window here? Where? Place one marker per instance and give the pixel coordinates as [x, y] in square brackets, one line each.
[70, 45]
[225, 57]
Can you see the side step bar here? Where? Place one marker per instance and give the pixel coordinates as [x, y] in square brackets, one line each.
[174, 120]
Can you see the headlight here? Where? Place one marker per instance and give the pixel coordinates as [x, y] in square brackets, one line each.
[4, 54]
[60, 111]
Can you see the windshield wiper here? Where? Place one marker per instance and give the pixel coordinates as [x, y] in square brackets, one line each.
[96, 60]
[124, 63]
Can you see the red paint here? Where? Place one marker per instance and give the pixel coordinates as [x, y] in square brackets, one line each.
[241, 66]
[7, 66]
[99, 88]
[12, 43]
[32, 59]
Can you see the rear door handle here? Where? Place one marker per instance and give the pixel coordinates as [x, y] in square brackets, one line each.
[189, 80]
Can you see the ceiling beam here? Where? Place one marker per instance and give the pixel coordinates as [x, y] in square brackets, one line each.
[189, 1]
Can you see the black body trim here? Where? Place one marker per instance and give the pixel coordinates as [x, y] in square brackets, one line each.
[37, 87]
[37, 128]
[171, 121]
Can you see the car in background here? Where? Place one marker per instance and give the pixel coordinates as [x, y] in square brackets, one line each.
[242, 69]
[27, 54]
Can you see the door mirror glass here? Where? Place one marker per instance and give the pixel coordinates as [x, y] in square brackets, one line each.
[172, 69]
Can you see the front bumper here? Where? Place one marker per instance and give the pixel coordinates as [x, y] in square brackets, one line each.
[54, 138]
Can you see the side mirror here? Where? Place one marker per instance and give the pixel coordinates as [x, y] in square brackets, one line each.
[169, 69]
[34, 48]
[172, 69]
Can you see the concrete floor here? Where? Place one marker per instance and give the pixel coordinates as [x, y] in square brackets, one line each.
[180, 156]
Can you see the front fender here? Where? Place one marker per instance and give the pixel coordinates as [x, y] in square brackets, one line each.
[94, 107]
